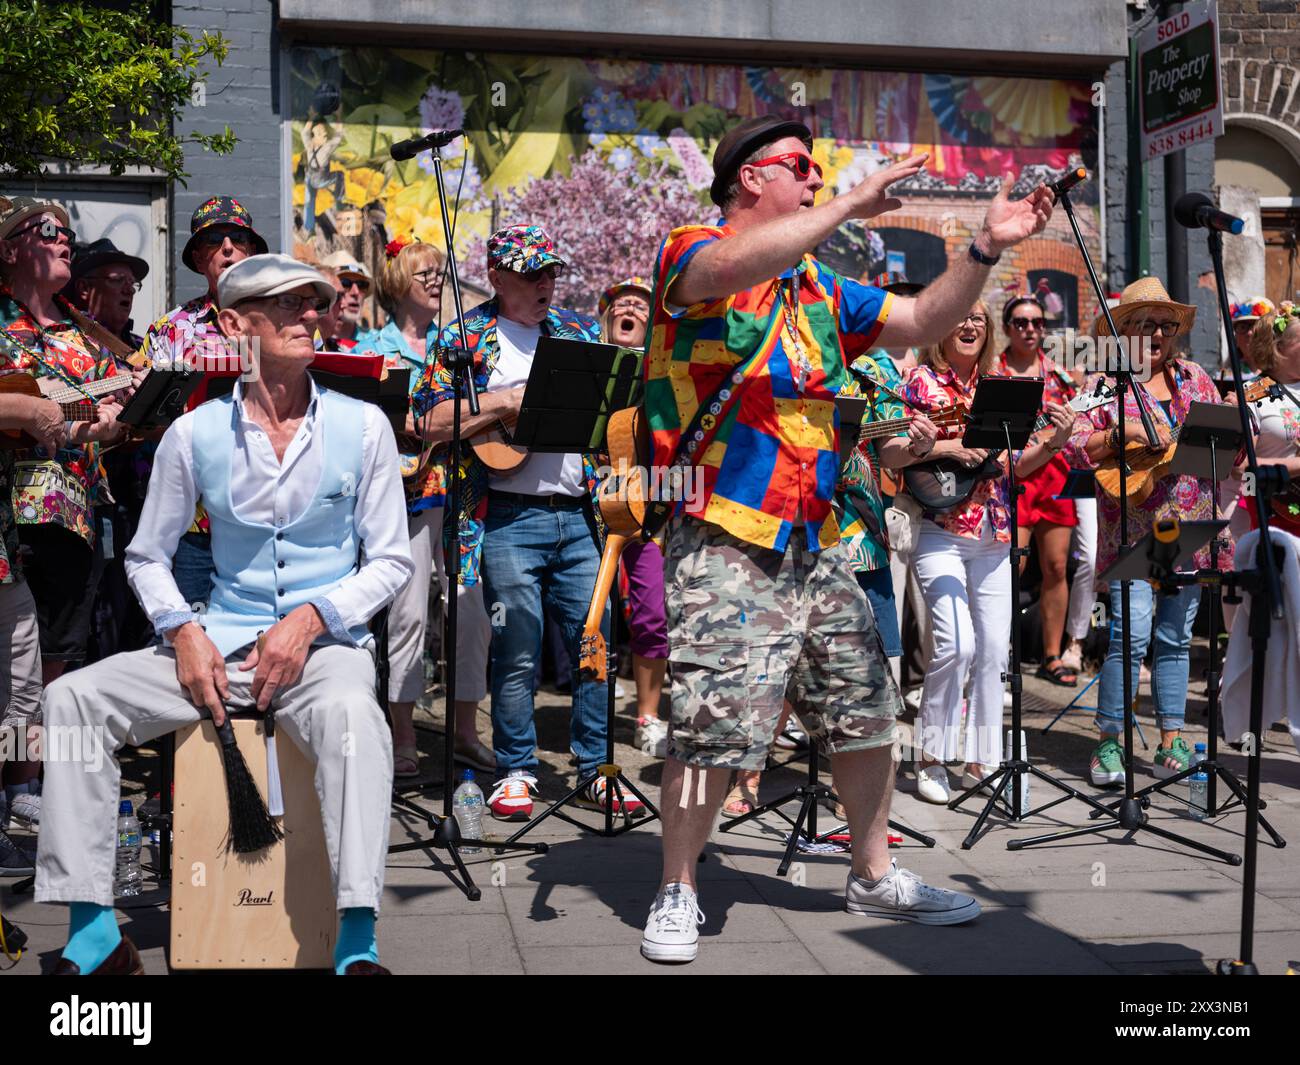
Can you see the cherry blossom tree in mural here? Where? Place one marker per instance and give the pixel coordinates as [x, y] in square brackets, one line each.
[607, 222]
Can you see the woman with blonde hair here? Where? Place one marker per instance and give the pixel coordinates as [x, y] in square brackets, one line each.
[409, 287]
[963, 562]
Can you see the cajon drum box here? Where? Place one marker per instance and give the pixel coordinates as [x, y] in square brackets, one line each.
[271, 910]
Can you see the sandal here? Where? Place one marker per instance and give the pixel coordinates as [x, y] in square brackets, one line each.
[406, 761]
[1057, 674]
[742, 799]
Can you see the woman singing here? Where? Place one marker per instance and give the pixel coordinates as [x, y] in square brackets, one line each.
[964, 565]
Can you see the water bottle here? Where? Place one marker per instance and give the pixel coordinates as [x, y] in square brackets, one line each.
[1024, 777]
[467, 805]
[127, 878]
[1198, 785]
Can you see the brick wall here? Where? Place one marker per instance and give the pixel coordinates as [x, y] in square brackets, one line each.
[244, 94]
[1261, 57]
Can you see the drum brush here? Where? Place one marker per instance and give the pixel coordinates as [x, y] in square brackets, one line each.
[252, 828]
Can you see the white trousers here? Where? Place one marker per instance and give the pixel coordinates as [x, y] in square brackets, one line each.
[1083, 592]
[133, 698]
[20, 657]
[408, 620]
[967, 588]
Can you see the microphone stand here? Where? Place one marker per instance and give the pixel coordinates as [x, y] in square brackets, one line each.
[1128, 814]
[1265, 587]
[446, 832]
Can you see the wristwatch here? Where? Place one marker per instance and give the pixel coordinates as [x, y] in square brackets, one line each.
[981, 258]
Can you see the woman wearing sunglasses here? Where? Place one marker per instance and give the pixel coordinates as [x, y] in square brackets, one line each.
[1040, 515]
[1156, 328]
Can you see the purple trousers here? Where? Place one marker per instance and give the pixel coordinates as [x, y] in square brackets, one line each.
[643, 565]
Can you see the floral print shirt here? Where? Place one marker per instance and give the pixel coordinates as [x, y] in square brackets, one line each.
[860, 505]
[64, 488]
[175, 336]
[928, 389]
[1184, 497]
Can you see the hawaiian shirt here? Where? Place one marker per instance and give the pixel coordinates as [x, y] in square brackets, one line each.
[10, 568]
[425, 488]
[771, 449]
[67, 488]
[1183, 497]
[928, 389]
[858, 498]
[435, 386]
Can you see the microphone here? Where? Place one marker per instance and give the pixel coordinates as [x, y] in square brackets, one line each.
[413, 147]
[1064, 184]
[1163, 552]
[1195, 210]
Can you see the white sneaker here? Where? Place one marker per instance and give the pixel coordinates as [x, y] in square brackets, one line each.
[672, 931]
[25, 812]
[970, 780]
[903, 896]
[932, 784]
[913, 699]
[652, 737]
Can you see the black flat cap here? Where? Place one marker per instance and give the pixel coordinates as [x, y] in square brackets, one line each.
[743, 139]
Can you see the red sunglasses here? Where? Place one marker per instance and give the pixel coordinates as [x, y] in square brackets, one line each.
[802, 163]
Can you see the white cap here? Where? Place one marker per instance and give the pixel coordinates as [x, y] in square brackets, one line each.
[268, 275]
[345, 265]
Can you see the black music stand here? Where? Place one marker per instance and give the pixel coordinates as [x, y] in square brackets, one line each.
[573, 388]
[1002, 417]
[160, 399]
[1207, 445]
[1154, 558]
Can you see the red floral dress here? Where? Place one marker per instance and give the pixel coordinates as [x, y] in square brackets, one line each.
[1039, 502]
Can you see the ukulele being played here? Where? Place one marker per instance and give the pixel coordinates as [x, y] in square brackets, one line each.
[77, 404]
[944, 483]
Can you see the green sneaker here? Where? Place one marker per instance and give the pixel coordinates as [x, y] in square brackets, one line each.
[1107, 765]
[1172, 760]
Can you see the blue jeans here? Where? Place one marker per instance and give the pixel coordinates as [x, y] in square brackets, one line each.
[879, 586]
[535, 556]
[192, 566]
[1174, 617]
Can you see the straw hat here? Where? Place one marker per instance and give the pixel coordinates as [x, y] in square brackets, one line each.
[1145, 295]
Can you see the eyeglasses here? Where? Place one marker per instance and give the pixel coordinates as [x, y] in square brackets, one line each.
[801, 163]
[294, 303]
[49, 232]
[424, 277]
[213, 237]
[1027, 323]
[977, 320]
[355, 282]
[1150, 329]
[120, 280]
[554, 271]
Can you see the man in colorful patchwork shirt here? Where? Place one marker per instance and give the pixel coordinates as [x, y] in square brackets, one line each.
[535, 528]
[749, 345]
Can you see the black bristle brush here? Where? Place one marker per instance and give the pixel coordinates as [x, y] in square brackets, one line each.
[251, 827]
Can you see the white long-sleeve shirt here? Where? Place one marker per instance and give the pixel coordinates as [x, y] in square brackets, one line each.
[266, 491]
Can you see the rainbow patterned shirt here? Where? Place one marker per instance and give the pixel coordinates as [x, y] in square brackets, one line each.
[771, 456]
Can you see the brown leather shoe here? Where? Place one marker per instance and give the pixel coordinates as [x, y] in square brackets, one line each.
[124, 961]
[366, 968]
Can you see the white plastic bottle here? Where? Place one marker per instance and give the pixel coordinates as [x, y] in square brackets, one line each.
[1024, 777]
[127, 878]
[1198, 787]
[467, 806]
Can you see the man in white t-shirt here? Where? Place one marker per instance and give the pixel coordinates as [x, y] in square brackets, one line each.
[532, 534]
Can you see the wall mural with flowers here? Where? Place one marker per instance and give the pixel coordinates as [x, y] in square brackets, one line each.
[611, 155]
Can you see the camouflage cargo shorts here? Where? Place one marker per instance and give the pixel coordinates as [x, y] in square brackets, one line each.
[749, 628]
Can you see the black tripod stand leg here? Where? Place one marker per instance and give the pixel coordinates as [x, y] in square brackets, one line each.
[808, 802]
[556, 810]
[1223, 856]
[651, 811]
[767, 807]
[467, 884]
[1053, 837]
[973, 834]
[1239, 796]
[1073, 793]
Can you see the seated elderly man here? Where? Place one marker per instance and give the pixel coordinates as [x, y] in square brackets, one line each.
[300, 483]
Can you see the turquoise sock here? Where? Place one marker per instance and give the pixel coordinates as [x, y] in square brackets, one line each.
[356, 940]
[92, 935]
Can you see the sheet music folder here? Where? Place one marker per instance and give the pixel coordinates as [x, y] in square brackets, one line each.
[573, 388]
